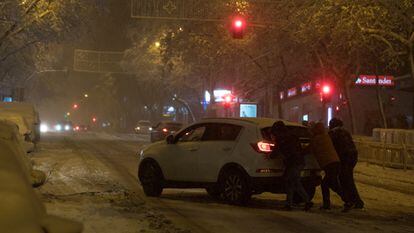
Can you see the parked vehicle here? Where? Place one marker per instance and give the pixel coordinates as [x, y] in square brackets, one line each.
[21, 208]
[143, 127]
[29, 114]
[227, 156]
[25, 135]
[163, 129]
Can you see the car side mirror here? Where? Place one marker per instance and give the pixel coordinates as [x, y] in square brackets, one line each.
[170, 139]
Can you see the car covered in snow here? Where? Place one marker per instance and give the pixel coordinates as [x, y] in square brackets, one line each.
[27, 112]
[25, 135]
[229, 157]
[21, 208]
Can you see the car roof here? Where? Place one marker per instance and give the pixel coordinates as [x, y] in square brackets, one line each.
[261, 122]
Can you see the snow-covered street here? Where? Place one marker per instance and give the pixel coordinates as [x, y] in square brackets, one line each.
[92, 178]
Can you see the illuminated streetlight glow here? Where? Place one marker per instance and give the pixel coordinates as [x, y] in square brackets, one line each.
[157, 44]
[86, 95]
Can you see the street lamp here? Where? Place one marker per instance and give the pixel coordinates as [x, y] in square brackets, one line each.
[86, 95]
[157, 44]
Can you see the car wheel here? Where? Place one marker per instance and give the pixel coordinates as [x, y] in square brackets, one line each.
[310, 190]
[151, 179]
[235, 187]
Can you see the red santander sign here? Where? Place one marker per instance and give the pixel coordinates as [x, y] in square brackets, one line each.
[371, 80]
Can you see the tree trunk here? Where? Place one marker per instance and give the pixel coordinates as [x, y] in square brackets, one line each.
[350, 107]
[411, 54]
[279, 103]
[381, 106]
[379, 99]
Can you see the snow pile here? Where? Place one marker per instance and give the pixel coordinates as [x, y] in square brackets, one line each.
[21, 209]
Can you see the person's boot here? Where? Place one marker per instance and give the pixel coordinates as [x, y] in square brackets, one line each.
[326, 206]
[308, 206]
[359, 205]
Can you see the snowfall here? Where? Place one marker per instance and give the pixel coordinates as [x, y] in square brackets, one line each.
[92, 179]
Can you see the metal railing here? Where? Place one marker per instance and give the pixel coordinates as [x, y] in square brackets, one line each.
[386, 154]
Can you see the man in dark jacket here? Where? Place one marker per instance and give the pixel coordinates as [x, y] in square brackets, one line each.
[348, 154]
[290, 147]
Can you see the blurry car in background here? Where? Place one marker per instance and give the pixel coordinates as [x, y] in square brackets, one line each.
[143, 127]
[163, 129]
[65, 126]
[81, 128]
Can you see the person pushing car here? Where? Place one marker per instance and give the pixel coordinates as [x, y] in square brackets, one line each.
[290, 147]
[324, 152]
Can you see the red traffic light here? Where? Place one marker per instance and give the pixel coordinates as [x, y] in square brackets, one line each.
[238, 23]
[326, 89]
[326, 93]
[238, 27]
[228, 99]
[94, 119]
[75, 106]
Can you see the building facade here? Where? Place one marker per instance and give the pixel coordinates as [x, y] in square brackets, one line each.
[374, 102]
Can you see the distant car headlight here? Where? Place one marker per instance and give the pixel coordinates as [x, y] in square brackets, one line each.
[58, 127]
[67, 127]
[150, 128]
[44, 128]
[138, 128]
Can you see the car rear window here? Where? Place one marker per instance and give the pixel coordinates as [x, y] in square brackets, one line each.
[300, 132]
[144, 123]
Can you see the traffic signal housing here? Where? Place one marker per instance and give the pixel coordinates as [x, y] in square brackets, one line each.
[238, 27]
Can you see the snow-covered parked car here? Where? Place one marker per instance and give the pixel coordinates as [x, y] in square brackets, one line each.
[227, 156]
[25, 135]
[29, 114]
[21, 209]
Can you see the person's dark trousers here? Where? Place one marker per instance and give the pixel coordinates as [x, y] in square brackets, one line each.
[346, 178]
[331, 181]
[294, 184]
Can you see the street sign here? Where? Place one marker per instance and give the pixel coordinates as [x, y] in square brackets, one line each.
[198, 10]
[98, 61]
[371, 80]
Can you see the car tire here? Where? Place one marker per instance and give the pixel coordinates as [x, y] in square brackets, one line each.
[234, 187]
[310, 190]
[151, 179]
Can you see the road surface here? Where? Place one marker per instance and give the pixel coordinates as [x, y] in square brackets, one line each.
[92, 178]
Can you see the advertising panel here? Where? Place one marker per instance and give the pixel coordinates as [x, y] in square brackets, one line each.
[248, 110]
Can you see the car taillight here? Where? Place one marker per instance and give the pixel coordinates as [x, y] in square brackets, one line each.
[165, 130]
[263, 147]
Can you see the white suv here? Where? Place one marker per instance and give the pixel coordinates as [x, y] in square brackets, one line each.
[227, 156]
